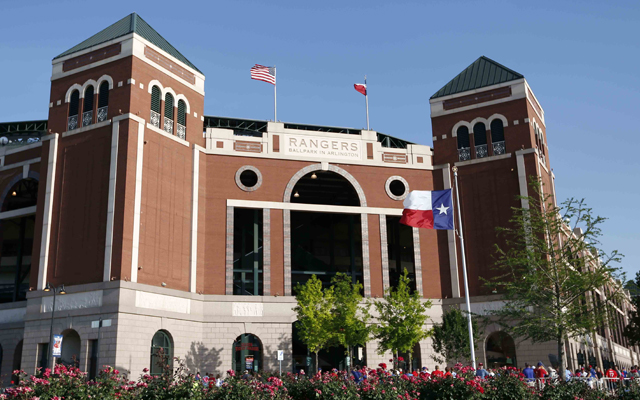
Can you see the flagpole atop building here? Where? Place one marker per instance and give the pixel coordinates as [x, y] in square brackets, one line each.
[366, 99]
[275, 98]
[464, 271]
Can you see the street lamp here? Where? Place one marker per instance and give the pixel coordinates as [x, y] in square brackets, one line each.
[59, 289]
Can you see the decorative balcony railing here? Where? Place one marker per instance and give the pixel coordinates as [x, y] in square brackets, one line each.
[72, 122]
[182, 132]
[498, 148]
[168, 125]
[481, 151]
[464, 154]
[87, 118]
[102, 113]
[155, 119]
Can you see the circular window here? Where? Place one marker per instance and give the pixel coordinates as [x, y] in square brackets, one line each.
[397, 187]
[248, 178]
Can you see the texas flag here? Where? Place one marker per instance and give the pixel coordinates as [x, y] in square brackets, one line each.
[428, 209]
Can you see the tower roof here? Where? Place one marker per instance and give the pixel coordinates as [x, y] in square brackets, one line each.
[132, 23]
[483, 72]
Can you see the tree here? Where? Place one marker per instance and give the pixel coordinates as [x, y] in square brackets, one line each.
[349, 315]
[401, 319]
[314, 315]
[549, 269]
[451, 337]
[632, 330]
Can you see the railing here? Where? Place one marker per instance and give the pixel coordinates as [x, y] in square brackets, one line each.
[168, 125]
[182, 132]
[498, 148]
[87, 118]
[72, 122]
[155, 119]
[464, 154]
[481, 151]
[102, 113]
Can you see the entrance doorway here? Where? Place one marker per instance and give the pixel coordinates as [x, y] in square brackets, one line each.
[500, 350]
[247, 354]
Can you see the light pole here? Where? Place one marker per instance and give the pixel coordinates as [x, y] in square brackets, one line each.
[59, 289]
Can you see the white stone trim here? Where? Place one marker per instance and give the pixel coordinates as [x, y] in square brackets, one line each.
[88, 83]
[48, 212]
[75, 86]
[366, 263]
[384, 252]
[388, 189]
[505, 122]
[137, 204]
[320, 167]
[113, 169]
[20, 164]
[167, 135]
[193, 259]
[86, 128]
[478, 120]
[454, 130]
[248, 168]
[18, 213]
[417, 260]
[518, 91]
[451, 242]
[522, 179]
[183, 98]
[313, 207]
[102, 79]
[168, 90]
[229, 251]
[482, 160]
[155, 82]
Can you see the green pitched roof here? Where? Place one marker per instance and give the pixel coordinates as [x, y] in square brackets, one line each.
[483, 72]
[129, 24]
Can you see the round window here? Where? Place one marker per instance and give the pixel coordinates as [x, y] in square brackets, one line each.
[397, 187]
[248, 178]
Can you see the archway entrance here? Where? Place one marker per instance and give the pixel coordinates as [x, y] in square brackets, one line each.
[500, 350]
[324, 243]
[333, 357]
[16, 241]
[70, 349]
[416, 359]
[247, 353]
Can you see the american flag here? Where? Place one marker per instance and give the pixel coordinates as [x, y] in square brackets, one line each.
[262, 73]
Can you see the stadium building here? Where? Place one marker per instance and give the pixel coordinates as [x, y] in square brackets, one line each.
[176, 230]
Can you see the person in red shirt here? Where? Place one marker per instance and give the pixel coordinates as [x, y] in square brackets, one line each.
[612, 377]
[437, 372]
[447, 372]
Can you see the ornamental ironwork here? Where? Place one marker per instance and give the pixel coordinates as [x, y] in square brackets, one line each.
[498, 148]
[102, 113]
[464, 154]
[87, 118]
[72, 122]
[182, 132]
[168, 125]
[155, 119]
[481, 151]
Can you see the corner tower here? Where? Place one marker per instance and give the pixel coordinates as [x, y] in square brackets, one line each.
[488, 123]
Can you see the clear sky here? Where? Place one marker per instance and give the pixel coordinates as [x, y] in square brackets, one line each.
[581, 58]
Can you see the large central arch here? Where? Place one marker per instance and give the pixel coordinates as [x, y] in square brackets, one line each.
[364, 227]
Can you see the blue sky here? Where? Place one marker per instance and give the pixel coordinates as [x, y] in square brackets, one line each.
[582, 60]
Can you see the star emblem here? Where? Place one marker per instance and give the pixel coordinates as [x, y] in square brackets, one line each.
[442, 209]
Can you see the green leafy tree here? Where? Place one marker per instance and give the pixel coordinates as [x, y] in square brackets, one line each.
[314, 315]
[401, 319]
[350, 316]
[549, 269]
[632, 330]
[451, 337]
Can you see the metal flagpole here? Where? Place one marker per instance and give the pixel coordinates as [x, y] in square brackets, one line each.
[366, 99]
[464, 271]
[275, 98]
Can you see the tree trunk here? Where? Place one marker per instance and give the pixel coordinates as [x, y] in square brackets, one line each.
[410, 367]
[349, 359]
[316, 353]
[563, 370]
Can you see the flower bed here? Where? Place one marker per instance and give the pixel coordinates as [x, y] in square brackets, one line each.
[69, 383]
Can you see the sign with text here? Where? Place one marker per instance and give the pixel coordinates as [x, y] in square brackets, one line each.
[322, 147]
[248, 363]
[280, 355]
[57, 346]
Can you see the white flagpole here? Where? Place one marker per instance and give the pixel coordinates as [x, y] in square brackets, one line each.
[366, 99]
[275, 98]
[464, 271]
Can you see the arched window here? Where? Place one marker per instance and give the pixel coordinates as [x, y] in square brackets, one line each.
[168, 113]
[74, 105]
[182, 119]
[500, 350]
[247, 353]
[480, 137]
[155, 106]
[161, 353]
[497, 137]
[103, 101]
[87, 108]
[464, 144]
